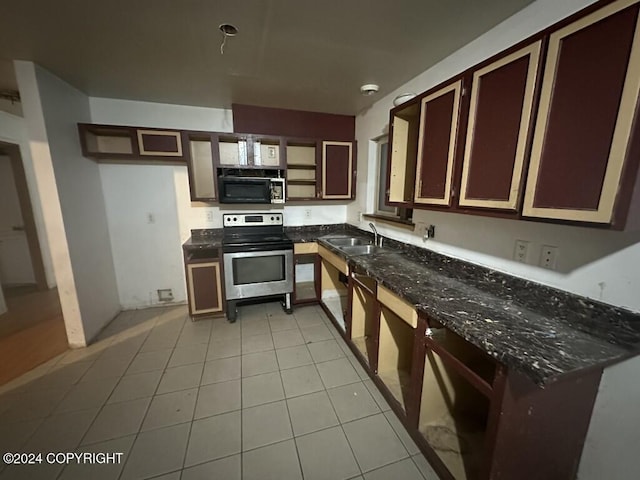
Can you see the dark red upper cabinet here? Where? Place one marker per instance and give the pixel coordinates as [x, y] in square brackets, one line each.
[501, 103]
[584, 156]
[437, 145]
[159, 143]
[337, 170]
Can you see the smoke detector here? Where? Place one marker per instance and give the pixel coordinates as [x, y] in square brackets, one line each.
[369, 89]
[405, 97]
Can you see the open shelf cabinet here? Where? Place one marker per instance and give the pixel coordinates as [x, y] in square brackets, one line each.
[365, 318]
[302, 169]
[455, 403]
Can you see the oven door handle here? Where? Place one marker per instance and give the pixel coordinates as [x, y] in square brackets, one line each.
[268, 253]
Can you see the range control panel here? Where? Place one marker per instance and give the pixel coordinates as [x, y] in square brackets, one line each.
[252, 219]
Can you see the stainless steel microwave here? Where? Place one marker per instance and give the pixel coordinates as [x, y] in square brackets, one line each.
[233, 189]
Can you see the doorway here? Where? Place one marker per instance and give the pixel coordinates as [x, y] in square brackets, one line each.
[31, 322]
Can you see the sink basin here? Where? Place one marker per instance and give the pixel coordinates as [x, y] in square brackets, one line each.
[361, 249]
[348, 242]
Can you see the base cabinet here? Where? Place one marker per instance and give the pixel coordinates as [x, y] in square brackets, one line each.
[306, 264]
[334, 292]
[204, 283]
[471, 416]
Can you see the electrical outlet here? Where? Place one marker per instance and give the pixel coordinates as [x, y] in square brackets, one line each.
[359, 216]
[549, 257]
[209, 216]
[307, 213]
[521, 251]
[421, 230]
[151, 218]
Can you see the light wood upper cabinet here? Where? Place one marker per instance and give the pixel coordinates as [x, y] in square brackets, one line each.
[586, 115]
[497, 130]
[337, 170]
[200, 166]
[403, 151]
[439, 118]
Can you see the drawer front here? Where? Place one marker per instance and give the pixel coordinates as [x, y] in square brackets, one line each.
[400, 307]
[302, 248]
[333, 259]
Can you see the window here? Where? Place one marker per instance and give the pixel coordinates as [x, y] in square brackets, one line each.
[381, 208]
[382, 161]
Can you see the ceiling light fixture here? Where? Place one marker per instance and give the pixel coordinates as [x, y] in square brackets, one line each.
[403, 97]
[369, 89]
[227, 30]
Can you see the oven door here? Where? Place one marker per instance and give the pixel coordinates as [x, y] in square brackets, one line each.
[257, 274]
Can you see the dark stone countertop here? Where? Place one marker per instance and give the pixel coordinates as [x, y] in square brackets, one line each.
[542, 332]
[204, 239]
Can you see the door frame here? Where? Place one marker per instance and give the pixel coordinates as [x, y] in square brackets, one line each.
[13, 152]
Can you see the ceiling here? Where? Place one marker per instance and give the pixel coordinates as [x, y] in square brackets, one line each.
[300, 54]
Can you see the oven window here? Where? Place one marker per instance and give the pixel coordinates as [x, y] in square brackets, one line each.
[245, 190]
[248, 270]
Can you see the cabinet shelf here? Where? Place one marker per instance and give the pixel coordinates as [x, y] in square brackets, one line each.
[301, 182]
[296, 166]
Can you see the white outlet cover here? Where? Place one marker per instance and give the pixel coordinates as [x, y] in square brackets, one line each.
[521, 251]
[549, 257]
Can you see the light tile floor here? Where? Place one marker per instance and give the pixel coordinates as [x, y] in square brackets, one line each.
[272, 396]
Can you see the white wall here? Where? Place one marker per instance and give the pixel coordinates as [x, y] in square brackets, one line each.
[154, 259]
[81, 201]
[594, 263]
[40, 166]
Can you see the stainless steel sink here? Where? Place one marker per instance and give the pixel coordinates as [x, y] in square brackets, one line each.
[361, 249]
[348, 241]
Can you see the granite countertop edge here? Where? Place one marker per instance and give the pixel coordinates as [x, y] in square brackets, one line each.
[529, 349]
[543, 367]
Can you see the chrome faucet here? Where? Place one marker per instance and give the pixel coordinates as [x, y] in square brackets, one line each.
[375, 233]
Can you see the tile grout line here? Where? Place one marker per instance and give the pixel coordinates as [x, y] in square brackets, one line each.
[195, 406]
[137, 434]
[286, 404]
[101, 408]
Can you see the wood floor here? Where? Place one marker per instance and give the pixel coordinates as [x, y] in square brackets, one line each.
[31, 332]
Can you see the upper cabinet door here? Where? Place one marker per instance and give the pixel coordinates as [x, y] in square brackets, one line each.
[403, 152]
[337, 170]
[499, 122]
[439, 118]
[587, 104]
[158, 143]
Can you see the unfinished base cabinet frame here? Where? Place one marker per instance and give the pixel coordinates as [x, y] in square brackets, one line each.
[306, 254]
[475, 419]
[364, 319]
[334, 291]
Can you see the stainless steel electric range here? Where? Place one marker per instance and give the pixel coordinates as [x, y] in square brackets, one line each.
[258, 259]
